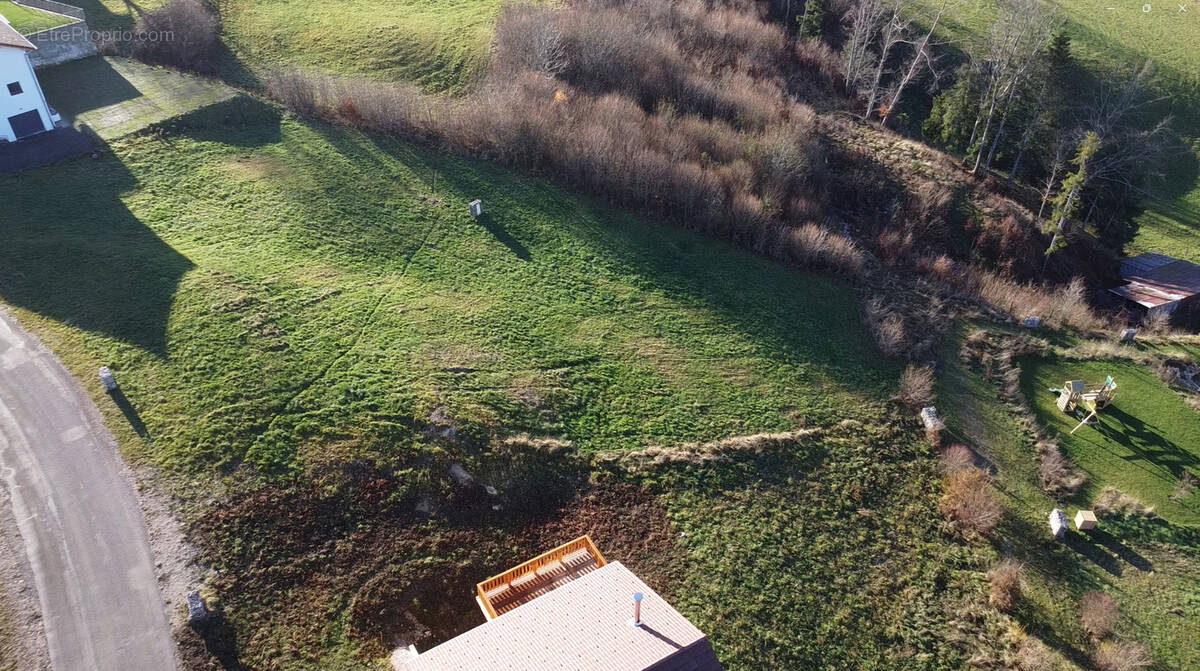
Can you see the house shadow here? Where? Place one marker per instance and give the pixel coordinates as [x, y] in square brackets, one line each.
[84, 85]
[73, 252]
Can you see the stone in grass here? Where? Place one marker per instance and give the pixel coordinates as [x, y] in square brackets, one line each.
[1058, 523]
[1128, 335]
[197, 610]
[107, 379]
[930, 418]
[1032, 322]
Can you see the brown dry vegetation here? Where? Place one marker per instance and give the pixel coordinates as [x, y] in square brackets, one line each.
[1098, 613]
[967, 499]
[690, 111]
[1006, 582]
[1122, 656]
[916, 386]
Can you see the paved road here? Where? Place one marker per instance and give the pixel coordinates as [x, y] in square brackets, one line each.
[79, 517]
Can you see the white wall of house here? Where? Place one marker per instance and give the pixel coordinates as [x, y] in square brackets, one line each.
[15, 69]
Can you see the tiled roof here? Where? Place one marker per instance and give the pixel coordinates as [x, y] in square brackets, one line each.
[1155, 279]
[580, 626]
[9, 37]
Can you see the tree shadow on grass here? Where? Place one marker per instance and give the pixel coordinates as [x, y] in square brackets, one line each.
[1144, 440]
[805, 318]
[74, 253]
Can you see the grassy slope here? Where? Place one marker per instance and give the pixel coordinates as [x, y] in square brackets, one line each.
[1148, 578]
[28, 21]
[1143, 442]
[1123, 38]
[306, 275]
[439, 44]
[295, 298]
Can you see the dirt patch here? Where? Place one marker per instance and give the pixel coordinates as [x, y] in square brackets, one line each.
[254, 168]
[290, 565]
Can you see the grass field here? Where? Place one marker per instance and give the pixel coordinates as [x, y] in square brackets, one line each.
[1144, 441]
[311, 276]
[1155, 577]
[441, 45]
[27, 20]
[293, 306]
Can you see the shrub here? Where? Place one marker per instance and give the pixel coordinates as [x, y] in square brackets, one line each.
[1098, 613]
[1058, 474]
[967, 499]
[916, 386]
[1006, 583]
[1032, 655]
[1115, 502]
[956, 458]
[1157, 322]
[188, 34]
[1122, 656]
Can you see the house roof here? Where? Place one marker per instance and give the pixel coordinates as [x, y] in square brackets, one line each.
[9, 37]
[580, 626]
[1156, 279]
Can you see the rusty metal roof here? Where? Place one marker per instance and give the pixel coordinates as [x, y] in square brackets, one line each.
[580, 626]
[1156, 279]
[9, 37]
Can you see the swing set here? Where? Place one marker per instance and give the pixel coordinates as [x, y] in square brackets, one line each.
[1076, 394]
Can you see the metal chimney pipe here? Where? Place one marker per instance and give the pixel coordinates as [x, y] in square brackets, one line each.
[637, 609]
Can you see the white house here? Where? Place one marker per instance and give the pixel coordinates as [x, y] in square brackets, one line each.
[23, 108]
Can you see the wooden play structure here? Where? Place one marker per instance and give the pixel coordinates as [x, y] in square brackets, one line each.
[1076, 394]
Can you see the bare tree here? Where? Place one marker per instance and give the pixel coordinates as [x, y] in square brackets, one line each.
[921, 58]
[1012, 49]
[893, 32]
[865, 19]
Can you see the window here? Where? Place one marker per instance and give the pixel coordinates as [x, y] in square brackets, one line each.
[14, 88]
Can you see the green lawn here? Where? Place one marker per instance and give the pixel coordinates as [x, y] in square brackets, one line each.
[27, 20]
[289, 282]
[1143, 442]
[1155, 582]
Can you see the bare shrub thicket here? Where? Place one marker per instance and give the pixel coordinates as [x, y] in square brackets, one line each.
[182, 34]
[1115, 502]
[1098, 613]
[1157, 323]
[1006, 581]
[916, 386]
[1063, 307]
[675, 109]
[1058, 474]
[967, 499]
[1122, 656]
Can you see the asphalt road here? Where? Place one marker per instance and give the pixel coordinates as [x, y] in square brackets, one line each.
[79, 518]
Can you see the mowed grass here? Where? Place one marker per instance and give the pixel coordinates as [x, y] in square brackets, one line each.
[1156, 581]
[439, 44]
[27, 20]
[266, 291]
[1143, 442]
[1124, 38]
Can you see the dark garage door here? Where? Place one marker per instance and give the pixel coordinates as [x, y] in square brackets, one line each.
[26, 123]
